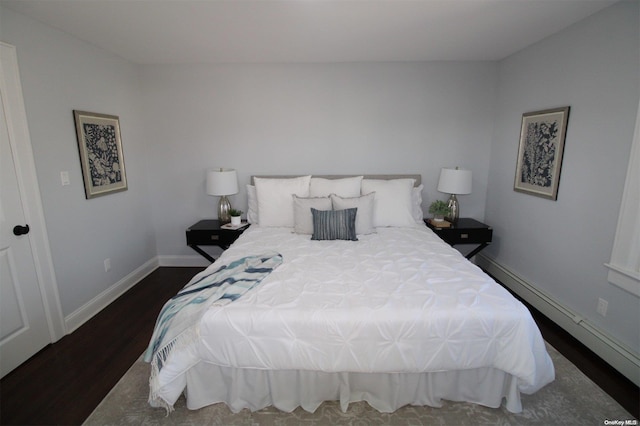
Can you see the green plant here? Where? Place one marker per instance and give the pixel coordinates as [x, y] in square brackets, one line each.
[234, 212]
[439, 207]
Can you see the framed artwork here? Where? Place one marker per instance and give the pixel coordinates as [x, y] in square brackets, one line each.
[542, 137]
[101, 155]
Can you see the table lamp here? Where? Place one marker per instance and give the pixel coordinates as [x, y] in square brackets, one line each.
[455, 182]
[222, 182]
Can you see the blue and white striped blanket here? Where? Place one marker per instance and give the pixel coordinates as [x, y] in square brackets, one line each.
[177, 323]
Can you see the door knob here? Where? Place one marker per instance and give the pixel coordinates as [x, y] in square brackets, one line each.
[20, 230]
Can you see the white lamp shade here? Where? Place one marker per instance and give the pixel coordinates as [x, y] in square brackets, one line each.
[222, 182]
[455, 181]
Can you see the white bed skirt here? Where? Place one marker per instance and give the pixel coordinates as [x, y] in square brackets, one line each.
[386, 392]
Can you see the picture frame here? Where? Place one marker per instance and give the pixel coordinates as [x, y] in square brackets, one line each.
[101, 156]
[540, 152]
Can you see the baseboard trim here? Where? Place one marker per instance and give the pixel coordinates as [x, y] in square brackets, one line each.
[183, 261]
[101, 301]
[615, 353]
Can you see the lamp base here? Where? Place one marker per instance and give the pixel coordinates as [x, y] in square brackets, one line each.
[454, 209]
[224, 206]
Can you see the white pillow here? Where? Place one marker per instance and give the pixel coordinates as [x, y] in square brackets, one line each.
[392, 205]
[275, 201]
[302, 217]
[416, 203]
[343, 187]
[364, 215]
[252, 202]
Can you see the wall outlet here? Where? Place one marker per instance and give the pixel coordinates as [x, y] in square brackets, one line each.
[107, 265]
[602, 307]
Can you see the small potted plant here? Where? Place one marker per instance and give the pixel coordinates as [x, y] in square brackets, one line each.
[439, 209]
[235, 217]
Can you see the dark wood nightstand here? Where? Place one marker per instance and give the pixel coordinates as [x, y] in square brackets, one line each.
[209, 233]
[465, 231]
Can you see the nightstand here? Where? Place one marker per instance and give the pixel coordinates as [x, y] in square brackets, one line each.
[209, 233]
[465, 231]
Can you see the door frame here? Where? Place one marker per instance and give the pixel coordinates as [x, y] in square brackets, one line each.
[22, 151]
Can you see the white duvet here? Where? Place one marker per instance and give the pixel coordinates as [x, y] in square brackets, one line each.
[399, 300]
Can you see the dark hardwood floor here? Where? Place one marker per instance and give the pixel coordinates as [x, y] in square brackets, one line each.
[63, 383]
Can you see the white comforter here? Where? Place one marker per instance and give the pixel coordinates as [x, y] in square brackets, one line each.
[399, 300]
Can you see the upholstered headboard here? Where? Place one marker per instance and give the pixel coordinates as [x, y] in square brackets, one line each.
[418, 178]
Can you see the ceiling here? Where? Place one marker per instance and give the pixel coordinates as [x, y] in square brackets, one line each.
[243, 31]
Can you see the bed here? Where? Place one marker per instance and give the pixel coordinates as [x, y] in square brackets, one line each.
[391, 315]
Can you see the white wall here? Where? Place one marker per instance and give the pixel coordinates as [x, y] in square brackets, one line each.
[312, 118]
[561, 246]
[59, 74]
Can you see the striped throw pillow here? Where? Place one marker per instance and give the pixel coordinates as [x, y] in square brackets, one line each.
[334, 224]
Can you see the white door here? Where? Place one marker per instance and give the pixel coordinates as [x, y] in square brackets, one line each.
[24, 328]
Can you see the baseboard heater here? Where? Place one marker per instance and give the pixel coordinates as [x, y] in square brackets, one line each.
[615, 353]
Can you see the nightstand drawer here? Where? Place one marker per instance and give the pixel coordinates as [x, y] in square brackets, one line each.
[218, 237]
[466, 236]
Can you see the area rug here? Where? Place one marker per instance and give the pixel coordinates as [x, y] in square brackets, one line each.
[572, 399]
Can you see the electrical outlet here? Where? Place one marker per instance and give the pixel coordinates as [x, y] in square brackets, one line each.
[107, 265]
[602, 307]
